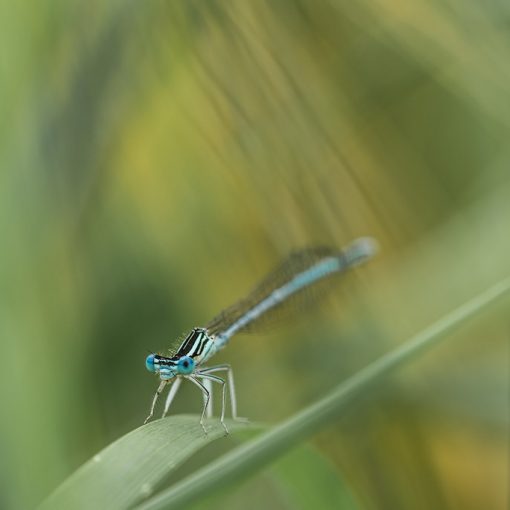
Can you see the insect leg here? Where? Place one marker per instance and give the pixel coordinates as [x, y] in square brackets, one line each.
[155, 399]
[219, 380]
[171, 394]
[207, 396]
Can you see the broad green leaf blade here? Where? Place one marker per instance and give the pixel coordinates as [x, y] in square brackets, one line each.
[128, 470]
[251, 456]
[309, 481]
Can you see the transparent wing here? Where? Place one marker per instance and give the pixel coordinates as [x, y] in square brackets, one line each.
[305, 293]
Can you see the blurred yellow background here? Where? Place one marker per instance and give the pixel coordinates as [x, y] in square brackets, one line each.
[159, 157]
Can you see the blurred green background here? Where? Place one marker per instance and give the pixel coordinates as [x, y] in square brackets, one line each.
[159, 157]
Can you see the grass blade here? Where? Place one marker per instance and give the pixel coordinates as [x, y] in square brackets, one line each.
[128, 470]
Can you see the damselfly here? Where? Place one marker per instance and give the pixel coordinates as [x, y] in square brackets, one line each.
[289, 283]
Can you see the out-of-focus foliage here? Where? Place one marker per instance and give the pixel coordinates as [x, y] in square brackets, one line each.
[157, 158]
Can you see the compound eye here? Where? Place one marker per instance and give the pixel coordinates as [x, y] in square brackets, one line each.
[149, 363]
[185, 365]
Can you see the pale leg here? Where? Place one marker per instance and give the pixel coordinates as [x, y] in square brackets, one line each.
[231, 387]
[155, 399]
[171, 394]
[209, 410]
[219, 380]
[207, 396]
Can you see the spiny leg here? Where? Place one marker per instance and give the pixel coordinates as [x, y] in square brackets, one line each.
[171, 394]
[219, 380]
[207, 396]
[231, 387]
[155, 399]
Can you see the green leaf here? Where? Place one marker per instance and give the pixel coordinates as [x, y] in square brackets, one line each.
[129, 469]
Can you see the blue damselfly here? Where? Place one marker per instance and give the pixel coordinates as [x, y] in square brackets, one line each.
[290, 283]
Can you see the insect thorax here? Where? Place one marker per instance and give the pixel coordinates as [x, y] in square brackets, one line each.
[198, 345]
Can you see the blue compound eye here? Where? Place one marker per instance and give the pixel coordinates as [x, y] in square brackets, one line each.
[185, 365]
[149, 363]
